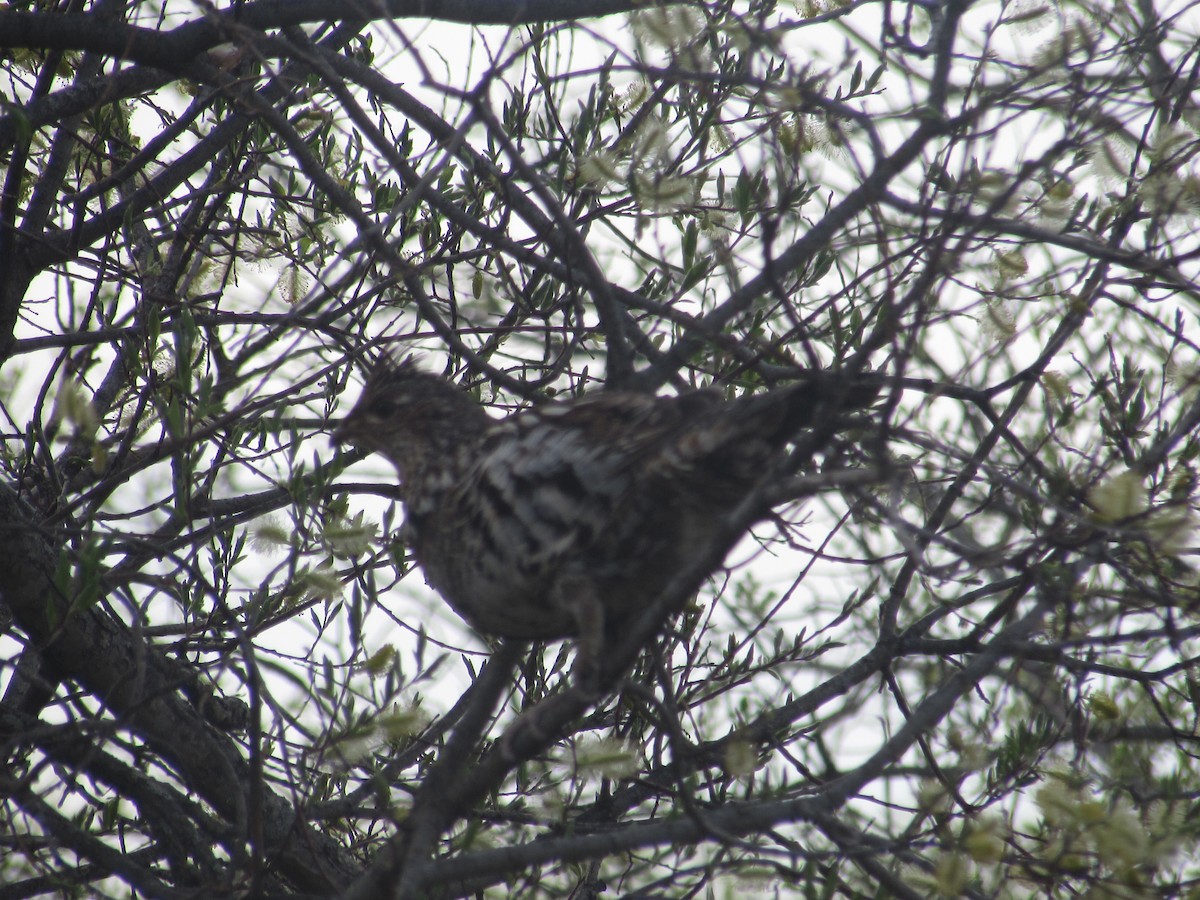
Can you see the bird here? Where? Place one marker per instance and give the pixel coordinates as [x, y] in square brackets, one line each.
[564, 519]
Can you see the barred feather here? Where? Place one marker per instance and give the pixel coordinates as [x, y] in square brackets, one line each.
[615, 491]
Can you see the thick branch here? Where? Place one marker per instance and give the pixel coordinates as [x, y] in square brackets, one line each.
[140, 688]
[167, 49]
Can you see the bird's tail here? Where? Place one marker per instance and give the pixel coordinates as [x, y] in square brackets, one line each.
[726, 450]
[778, 415]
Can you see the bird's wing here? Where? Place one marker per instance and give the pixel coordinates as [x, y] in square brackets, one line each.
[561, 474]
[623, 441]
[625, 429]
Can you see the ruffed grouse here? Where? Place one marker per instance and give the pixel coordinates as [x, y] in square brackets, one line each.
[567, 518]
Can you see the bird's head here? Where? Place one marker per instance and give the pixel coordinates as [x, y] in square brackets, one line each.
[405, 413]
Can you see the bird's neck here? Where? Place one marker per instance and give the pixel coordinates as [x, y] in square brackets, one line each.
[436, 461]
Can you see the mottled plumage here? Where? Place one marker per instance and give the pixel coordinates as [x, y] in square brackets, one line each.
[567, 518]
